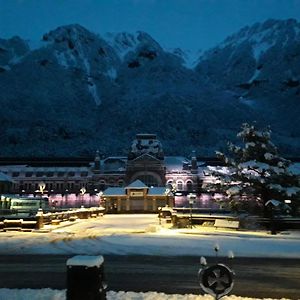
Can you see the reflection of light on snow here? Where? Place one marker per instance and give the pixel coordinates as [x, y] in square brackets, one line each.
[164, 231]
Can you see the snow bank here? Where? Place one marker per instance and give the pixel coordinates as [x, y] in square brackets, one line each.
[142, 235]
[49, 294]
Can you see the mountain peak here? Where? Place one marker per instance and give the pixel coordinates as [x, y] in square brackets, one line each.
[67, 33]
[124, 42]
[271, 29]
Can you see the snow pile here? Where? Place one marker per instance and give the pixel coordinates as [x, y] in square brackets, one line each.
[49, 294]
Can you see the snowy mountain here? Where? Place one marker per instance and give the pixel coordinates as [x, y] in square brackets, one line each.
[77, 91]
[261, 63]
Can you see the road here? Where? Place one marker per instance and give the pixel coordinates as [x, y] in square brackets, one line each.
[255, 277]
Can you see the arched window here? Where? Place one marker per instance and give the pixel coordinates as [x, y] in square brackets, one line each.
[120, 182]
[169, 184]
[189, 185]
[179, 185]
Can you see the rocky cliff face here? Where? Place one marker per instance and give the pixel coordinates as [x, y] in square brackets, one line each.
[78, 92]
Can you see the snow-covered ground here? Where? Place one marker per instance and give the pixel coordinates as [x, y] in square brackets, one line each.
[141, 234]
[48, 294]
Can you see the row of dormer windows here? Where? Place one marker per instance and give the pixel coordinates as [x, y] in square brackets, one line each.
[50, 174]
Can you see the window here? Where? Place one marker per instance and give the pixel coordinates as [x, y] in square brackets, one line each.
[84, 174]
[70, 185]
[179, 185]
[39, 174]
[28, 174]
[15, 174]
[102, 184]
[50, 174]
[71, 174]
[189, 185]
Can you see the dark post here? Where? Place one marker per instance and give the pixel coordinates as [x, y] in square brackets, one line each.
[159, 215]
[85, 278]
[191, 214]
[191, 198]
[272, 204]
[273, 224]
[39, 219]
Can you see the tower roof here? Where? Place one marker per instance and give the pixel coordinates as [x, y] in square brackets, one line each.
[137, 184]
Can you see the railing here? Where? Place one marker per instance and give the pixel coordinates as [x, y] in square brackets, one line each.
[40, 219]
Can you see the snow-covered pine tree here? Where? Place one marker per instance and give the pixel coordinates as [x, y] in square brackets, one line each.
[256, 171]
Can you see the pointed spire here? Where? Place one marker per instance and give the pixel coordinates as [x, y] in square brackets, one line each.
[194, 166]
[97, 162]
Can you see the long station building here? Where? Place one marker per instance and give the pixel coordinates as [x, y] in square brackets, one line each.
[145, 173]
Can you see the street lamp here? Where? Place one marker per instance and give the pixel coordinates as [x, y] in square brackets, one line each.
[191, 198]
[100, 194]
[272, 204]
[82, 192]
[159, 215]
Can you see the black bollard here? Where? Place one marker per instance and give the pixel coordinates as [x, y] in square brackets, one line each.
[85, 278]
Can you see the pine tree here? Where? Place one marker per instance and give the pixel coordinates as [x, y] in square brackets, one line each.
[257, 172]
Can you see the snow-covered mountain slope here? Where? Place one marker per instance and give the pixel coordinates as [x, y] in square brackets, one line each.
[189, 58]
[12, 51]
[124, 42]
[75, 47]
[77, 91]
[261, 64]
[264, 54]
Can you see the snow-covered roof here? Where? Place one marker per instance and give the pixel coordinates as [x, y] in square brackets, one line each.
[295, 168]
[5, 178]
[114, 191]
[114, 163]
[175, 163]
[86, 260]
[157, 191]
[137, 184]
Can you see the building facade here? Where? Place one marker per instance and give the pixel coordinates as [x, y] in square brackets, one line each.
[75, 182]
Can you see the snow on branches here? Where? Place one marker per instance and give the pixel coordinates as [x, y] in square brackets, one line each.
[255, 169]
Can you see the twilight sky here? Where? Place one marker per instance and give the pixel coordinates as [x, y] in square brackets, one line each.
[189, 24]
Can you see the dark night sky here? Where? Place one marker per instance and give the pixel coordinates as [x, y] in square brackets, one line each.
[189, 24]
